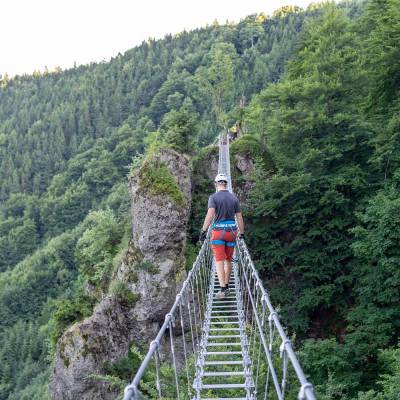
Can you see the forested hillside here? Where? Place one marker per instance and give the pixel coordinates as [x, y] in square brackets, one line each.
[322, 101]
[67, 140]
[326, 219]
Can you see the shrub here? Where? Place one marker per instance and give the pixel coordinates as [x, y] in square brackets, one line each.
[120, 289]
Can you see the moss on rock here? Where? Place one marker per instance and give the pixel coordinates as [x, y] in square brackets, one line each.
[63, 356]
[248, 146]
[132, 255]
[120, 289]
[148, 267]
[155, 178]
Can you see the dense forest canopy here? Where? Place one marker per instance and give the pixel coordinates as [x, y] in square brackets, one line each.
[317, 93]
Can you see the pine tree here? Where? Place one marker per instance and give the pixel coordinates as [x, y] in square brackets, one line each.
[319, 144]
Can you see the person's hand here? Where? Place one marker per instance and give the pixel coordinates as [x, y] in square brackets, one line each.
[203, 235]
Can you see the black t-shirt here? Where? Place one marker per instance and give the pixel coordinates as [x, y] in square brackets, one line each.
[226, 205]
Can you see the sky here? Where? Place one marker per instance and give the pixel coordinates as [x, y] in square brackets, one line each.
[35, 34]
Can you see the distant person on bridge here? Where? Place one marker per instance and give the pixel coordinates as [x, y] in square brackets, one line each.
[223, 207]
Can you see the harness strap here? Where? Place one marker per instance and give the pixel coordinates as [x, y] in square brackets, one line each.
[223, 242]
[223, 234]
[224, 225]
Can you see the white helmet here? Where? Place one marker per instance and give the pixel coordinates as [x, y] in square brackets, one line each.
[221, 178]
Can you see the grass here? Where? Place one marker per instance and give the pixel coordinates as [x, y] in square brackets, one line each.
[121, 290]
[155, 178]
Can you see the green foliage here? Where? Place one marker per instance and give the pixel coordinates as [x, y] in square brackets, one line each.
[326, 361]
[248, 146]
[217, 79]
[118, 202]
[389, 381]
[180, 127]
[381, 35]
[155, 179]
[286, 10]
[202, 188]
[319, 147]
[147, 266]
[325, 225]
[37, 389]
[375, 317]
[382, 54]
[97, 247]
[191, 252]
[119, 373]
[21, 349]
[17, 242]
[47, 273]
[125, 368]
[68, 311]
[112, 382]
[328, 128]
[120, 289]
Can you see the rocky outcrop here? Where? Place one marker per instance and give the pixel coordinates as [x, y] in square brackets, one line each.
[150, 273]
[159, 233]
[242, 165]
[86, 347]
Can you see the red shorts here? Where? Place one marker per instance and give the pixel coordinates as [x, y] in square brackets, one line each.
[221, 251]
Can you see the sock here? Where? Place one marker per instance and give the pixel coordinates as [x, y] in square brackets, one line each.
[227, 286]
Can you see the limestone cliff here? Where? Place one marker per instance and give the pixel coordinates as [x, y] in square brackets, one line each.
[150, 274]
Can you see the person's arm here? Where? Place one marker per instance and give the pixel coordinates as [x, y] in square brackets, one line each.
[239, 219]
[208, 219]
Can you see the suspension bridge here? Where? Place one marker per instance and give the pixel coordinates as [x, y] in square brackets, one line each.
[233, 348]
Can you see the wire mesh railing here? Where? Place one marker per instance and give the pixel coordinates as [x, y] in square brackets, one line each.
[168, 369]
[275, 368]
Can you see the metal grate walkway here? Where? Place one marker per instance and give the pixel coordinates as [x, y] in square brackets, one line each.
[224, 361]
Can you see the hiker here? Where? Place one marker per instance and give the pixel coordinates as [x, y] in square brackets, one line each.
[232, 133]
[223, 207]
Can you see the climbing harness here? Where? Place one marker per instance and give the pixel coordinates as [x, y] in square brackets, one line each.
[227, 225]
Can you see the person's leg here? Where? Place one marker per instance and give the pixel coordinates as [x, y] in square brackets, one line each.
[219, 255]
[227, 271]
[230, 237]
[221, 273]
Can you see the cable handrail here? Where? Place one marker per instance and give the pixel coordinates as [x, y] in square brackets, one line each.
[306, 391]
[131, 391]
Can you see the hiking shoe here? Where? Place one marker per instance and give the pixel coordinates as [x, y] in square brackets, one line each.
[227, 292]
[221, 295]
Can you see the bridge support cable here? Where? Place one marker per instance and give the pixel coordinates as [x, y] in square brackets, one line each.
[233, 348]
[166, 372]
